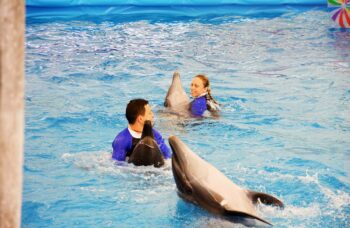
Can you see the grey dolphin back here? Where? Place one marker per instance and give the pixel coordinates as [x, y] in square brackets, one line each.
[147, 151]
[182, 183]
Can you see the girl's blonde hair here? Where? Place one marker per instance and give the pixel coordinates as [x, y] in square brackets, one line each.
[206, 84]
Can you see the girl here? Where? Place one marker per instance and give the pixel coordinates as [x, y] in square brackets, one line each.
[203, 99]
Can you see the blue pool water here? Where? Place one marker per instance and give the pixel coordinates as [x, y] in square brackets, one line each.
[284, 83]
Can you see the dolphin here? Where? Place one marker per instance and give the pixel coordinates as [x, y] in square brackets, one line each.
[146, 151]
[201, 183]
[176, 99]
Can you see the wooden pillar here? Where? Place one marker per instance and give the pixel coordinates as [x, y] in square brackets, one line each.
[11, 111]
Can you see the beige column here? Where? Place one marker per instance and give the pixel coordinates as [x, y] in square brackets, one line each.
[11, 111]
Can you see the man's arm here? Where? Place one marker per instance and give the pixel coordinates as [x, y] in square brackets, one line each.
[120, 146]
[162, 146]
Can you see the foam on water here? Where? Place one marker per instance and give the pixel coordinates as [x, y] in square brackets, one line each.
[102, 163]
[284, 129]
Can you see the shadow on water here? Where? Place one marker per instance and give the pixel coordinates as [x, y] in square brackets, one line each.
[341, 38]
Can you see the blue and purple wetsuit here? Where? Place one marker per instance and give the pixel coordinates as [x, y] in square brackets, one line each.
[199, 106]
[125, 142]
[203, 103]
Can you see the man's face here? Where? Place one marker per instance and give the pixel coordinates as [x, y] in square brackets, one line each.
[148, 114]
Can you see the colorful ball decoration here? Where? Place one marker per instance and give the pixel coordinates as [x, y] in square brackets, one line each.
[341, 15]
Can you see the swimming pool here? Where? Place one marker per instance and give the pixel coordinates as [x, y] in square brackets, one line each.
[285, 127]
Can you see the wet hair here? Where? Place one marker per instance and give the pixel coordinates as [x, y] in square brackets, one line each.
[135, 108]
[206, 84]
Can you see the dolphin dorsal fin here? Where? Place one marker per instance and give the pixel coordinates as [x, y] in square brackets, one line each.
[147, 130]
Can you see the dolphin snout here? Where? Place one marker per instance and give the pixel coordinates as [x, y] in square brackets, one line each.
[179, 150]
[176, 74]
[174, 143]
[172, 138]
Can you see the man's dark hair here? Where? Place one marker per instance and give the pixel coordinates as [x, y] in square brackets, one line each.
[135, 108]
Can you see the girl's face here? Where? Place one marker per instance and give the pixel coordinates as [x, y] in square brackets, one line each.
[197, 87]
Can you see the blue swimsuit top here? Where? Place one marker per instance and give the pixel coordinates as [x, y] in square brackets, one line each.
[200, 104]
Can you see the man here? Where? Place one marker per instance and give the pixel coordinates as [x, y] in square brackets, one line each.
[137, 112]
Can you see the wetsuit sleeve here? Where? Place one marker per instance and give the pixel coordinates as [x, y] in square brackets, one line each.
[162, 146]
[198, 106]
[121, 144]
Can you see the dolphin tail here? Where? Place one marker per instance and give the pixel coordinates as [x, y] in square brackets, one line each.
[228, 211]
[242, 214]
[265, 199]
